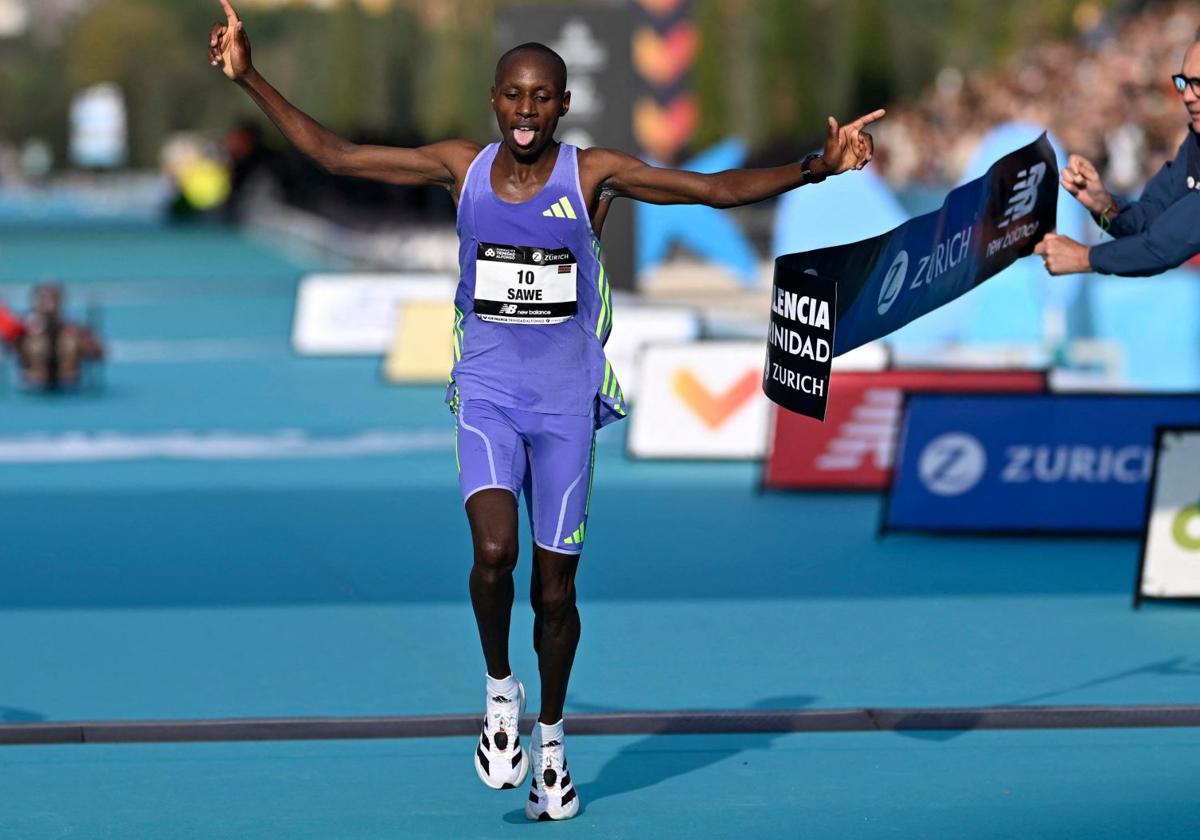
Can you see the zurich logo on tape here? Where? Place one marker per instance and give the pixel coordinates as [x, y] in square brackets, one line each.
[893, 282]
[952, 464]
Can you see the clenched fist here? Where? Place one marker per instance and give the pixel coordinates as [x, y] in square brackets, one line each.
[1063, 255]
[1081, 180]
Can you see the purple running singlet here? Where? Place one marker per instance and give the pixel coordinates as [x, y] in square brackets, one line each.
[531, 383]
[533, 307]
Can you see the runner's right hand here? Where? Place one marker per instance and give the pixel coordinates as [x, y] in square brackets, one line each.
[228, 46]
[1081, 180]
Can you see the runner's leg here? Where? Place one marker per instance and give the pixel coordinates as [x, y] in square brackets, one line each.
[493, 517]
[555, 626]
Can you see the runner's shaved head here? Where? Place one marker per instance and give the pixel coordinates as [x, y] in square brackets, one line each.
[552, 61]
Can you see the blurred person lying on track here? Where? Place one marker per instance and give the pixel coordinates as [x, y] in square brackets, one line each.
[1160, 230]
[530, 383]
[51, 351]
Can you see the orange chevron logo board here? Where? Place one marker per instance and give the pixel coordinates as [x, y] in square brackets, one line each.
[664, 131]
[662, 60]
[715, 409]
[661, 8]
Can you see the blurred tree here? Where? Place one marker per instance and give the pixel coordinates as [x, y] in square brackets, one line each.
[141, 46]
[768, 71]
[34, 96]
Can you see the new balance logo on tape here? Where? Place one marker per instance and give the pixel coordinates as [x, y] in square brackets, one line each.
[1025, 191]
[561, 209]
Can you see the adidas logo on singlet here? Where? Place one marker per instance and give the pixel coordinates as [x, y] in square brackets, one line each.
[561, 209]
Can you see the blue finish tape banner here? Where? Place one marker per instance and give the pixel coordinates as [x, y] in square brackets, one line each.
[1064, 463]
[983, 227]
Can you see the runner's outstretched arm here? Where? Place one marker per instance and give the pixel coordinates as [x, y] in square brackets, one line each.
[440, 163]
[619, 174]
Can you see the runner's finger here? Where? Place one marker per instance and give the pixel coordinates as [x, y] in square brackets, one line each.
[867, 119]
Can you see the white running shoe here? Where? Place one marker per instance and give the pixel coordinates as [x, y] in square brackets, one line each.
[552, 796]
[500, 760]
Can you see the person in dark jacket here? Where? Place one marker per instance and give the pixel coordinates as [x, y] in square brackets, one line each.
[1157, 232]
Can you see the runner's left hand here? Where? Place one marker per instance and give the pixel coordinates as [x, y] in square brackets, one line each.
[848, 146]
[1063, 255]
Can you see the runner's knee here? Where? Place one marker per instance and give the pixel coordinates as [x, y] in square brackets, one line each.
[557, 597]
[495, 556]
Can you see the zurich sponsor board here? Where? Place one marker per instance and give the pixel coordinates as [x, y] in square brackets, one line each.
[1062, 463]
[982, 227]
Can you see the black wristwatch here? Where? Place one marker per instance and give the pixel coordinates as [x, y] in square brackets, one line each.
[809, 176]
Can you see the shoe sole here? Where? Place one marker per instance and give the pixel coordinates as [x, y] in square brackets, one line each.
[545, 816]
[523, 771]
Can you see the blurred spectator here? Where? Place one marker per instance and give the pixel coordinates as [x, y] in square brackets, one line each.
[1153, 234]
[202, 181]
[252, 168]
[51, 351]
[1107, 96]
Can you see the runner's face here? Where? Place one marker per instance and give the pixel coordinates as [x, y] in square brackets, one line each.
[1191, 69]
[528, 104]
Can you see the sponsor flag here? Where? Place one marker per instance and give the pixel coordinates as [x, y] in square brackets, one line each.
[887, 281]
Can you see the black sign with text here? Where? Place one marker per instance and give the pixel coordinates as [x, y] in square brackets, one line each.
[800, 342]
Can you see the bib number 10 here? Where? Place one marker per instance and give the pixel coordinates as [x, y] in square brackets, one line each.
[524, 277]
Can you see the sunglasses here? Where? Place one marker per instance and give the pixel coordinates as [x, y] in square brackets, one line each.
[1183, 82]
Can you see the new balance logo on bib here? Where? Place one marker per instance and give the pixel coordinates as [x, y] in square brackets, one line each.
[521, 285]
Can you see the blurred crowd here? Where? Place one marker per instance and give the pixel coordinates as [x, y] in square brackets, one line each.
[1107, 96]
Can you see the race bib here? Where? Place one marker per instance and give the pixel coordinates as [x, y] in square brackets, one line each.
[520, 285]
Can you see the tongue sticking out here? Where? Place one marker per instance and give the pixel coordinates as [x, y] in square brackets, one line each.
[523, 136]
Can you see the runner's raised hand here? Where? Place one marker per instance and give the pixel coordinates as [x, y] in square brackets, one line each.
[848, 146]
[228, 46]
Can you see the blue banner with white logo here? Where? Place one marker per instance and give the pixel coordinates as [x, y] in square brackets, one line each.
[983, 227]
[1019, 463]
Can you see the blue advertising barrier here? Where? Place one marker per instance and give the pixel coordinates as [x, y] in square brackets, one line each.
[1021, 463]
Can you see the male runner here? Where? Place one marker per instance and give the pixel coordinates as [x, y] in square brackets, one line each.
[530, 383]
[1157, 232]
